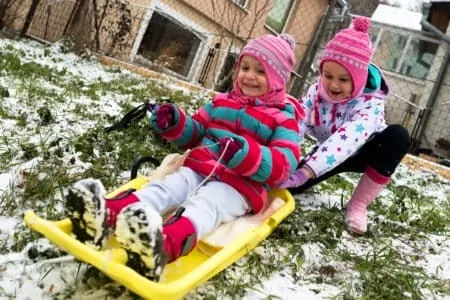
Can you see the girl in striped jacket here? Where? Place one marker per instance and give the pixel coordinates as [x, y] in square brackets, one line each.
[241, 145]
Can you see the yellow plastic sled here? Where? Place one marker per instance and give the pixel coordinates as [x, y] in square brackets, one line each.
[179, 277]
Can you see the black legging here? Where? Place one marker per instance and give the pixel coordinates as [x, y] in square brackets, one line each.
[383, 152]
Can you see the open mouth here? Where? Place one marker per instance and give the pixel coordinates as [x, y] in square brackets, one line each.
[335, 94]
[251, 86]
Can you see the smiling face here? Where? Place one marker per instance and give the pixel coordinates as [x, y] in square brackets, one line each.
[251, 77]
[336, 81]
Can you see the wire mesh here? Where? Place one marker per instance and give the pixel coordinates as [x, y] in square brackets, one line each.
[199, 41]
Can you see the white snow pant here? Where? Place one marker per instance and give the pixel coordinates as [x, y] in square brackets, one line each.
[213, 203]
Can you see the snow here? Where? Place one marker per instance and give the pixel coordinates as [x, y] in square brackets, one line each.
[411, 5]
[22, 277]
[282, 285]
[399, 17]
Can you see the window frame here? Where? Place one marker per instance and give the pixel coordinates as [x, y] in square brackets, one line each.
[286, 21]
[410, 34]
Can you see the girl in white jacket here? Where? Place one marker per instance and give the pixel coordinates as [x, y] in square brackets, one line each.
[345, 113]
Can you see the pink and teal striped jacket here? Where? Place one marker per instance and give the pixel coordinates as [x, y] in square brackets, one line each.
[269, 133]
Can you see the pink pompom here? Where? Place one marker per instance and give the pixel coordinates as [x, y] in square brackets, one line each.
[361, 24]
[289, 39]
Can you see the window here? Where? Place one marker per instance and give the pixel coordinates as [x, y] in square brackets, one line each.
[418, 58]
[389, 51]
[169, 45]
[404, 53]
[279, 14]
[241, 3]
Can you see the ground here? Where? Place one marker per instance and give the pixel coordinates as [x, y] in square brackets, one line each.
[54, 108]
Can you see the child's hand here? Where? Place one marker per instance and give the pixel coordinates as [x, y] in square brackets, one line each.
[230, 150]
[165, 116]
[297, 179]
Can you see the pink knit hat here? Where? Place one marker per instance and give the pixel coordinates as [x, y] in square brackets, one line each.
[276, 54]
[352, 48]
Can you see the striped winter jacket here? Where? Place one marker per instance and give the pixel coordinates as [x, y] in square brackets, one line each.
[269, 134]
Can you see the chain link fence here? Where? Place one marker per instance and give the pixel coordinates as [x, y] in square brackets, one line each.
[415, 65]
[199, 41]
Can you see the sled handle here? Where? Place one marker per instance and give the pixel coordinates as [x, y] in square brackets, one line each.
[139, 161]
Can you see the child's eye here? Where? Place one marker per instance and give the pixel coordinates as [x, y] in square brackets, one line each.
[261, 72]
[245, 68]
[328, 76]
[344, 79]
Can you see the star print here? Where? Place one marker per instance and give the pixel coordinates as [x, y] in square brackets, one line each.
[344, 137]
[338, 115]
[324, 149]
[330, 159]
[324, 111]
[314, 157]
[342, 129]
[309, 103]
[359, 128]
[338, 149]
[377, 111]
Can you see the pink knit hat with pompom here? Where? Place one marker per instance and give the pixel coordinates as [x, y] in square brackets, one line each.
[352, 48]
[276, 54]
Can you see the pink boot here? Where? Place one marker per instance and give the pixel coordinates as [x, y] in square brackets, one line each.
[117, 203]
[369, 186]
[180, 238]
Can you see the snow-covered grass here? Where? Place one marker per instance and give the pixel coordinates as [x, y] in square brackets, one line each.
[54, 107]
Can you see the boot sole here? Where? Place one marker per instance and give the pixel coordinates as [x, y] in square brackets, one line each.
[86, 210]
[139, 232]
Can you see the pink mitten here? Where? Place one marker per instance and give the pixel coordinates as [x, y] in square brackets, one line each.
[228, 151]
[297, 179]
[165, 116]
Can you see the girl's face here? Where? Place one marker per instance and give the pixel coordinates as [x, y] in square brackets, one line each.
[251, 77]
[336, 81]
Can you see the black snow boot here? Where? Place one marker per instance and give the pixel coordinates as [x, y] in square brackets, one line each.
[85, 206]
[139, 232]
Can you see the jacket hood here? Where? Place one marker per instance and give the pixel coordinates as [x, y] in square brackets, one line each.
[376, 85]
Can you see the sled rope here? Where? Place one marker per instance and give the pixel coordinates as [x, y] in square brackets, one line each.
[207, 177]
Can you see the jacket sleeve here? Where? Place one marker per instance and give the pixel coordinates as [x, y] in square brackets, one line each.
[187, 131]
[307, 103]
[364, 119]
[271, 164]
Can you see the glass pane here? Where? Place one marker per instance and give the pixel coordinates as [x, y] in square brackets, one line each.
[419, 58]
[168, 45]
[278, 14]
[389, 50]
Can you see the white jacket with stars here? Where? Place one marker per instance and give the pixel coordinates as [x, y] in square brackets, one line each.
[341, 129]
